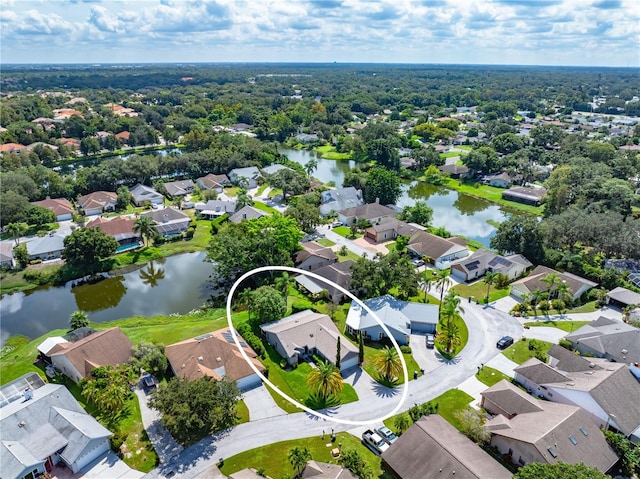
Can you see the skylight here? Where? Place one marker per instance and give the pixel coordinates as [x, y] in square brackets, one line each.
[584, 431]
[573, 440]
[552, 451]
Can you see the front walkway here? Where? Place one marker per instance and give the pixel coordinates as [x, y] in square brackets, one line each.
[503, 364]
[166, 447]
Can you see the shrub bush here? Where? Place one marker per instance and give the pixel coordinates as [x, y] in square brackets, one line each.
[405, 349]
[565, 343]
[300, 305]
[190, 232]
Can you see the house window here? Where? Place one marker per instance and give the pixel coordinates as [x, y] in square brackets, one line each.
[380, 335]
[552, 450]
[521, 461]
[510, 452]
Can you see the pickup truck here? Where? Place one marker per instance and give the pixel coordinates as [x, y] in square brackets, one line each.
[374, 442]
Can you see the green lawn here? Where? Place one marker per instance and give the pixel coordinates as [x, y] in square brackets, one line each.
[371, 350]
[479, 291]
[464, 337]
[490, 376]
[261, 189]
[274, 192]
[568, 326]
[589, 307]
[345, 232]
[232, 191]
[329, 152]
[325, 242]
[451, 154]
[261, 206]
[272, 458]
[449, 405]
[490, 193]
[519, 352]
[350, 255]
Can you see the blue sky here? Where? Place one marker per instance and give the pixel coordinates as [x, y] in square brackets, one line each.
[529, 32]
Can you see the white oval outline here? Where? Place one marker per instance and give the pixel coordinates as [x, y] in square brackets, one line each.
[405, 389]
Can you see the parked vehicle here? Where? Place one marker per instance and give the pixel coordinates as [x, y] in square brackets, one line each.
[418, 262]
[387, 434]
[504, 342]
[431, 341]
[374, 442]
[335, 224]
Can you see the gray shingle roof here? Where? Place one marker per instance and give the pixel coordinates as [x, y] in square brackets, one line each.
[340, 199]
[624, 295]
[608, 337]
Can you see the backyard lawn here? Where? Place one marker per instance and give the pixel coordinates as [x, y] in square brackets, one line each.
[329, 152]
[568, 326]
[478, 291]
[526, 349]
[273, 461]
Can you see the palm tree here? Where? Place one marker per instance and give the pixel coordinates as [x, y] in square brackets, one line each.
[243, 199]
[311, 166]
[146, 227]
[535, 300]
[426, 279]
[79, 319]
[325, 380]
[451, 306]
[283, 283]
[450, 335]
[563, 290]
[442, 281]
[16, 230]
[388, 364]
[551, 280]
[402, 423]
[298, 458]
[489, 279]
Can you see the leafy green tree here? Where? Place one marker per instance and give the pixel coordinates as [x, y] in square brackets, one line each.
[507, 143]
[89, 146]
[191, 410]
[472, 423]
[267, 305]
[266, 241]
[382, 185]
[482, 159]
[38, 216]
[352, 460]
[298, 458]
[108, 387]
[149, 357]
[290, 182]
[306, 214]
[78, 319]
[124, 198]
[388, 364]
[13, 206]
[16, 230]
[146, 227]
[628, 452]
[22, 255]
[85, 248]
[378, 276]
[384, 152]
[559, 470]
[520, 235]
[419, 213]
[325, 380]
[196, 139]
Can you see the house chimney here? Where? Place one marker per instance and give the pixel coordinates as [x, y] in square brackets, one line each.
[377, 201]
[165, 218]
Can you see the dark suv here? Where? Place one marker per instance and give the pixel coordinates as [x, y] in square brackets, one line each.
[504, 342]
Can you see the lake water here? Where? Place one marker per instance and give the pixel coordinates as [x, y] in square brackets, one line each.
[176, 284]
[458, 213]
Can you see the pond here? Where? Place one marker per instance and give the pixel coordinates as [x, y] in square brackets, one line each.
[176, 284]
[458, 213]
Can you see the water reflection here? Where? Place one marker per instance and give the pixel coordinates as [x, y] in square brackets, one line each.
[327, 171]
[102, 295]
[151, 275]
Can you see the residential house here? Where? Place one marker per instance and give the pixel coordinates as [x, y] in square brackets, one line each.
[306, 333]
[408, 162]
[482, 261]
[433, 449]
[179, 188]
[46, 248]
[214, 208]
[340, 199]
[214, 355]
[97, 202]
[455, 171]
[12, 148]
[61, 207]
[66, 113]
[323, 470]
[71, 143]
[109, 347]
[45, 428]
[123, 137]
[609, 339]
[526, 195]
[528, 430]
[121, 228]
[402, 318]
[48, 346]
[169, 221]
[338, 273]
[246, 176]
[390, 228]
[247, 213]
[374, 213]
[313, 256]
[307, 137]
[605, 390]
[577, 285]
[440, 251]
[274, 168]
[502, 180]
[6, 255]
[623, 298]
[213, 182]
[142, 194]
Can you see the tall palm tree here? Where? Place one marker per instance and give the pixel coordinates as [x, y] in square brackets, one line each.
[243, 199]
[535, 297]
[426, 279]
[283, 283]
[551, 281]
[298, 458]
[489, 279]
[146, 227]
[311, 166]
[442, 281]
[451, 306]
[16, 230]
[450, 335]
[563, 291]
[388, 364]
[325, 380]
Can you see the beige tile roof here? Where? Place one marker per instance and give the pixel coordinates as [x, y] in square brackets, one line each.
[426, 244]
[60, 206]
[214, 355]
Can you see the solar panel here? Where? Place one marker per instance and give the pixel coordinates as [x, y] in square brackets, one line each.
[204, 336]
[473, 265]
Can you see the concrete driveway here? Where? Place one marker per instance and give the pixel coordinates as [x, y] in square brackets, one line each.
[426, 358]
[261, 404]
[552, 335]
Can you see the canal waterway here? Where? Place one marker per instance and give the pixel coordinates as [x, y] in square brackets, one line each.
[458, 213]
[176, 284]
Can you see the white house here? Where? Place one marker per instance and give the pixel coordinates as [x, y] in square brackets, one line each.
[478, 263]
[249, 176]
[48, 247]
[142, 194]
